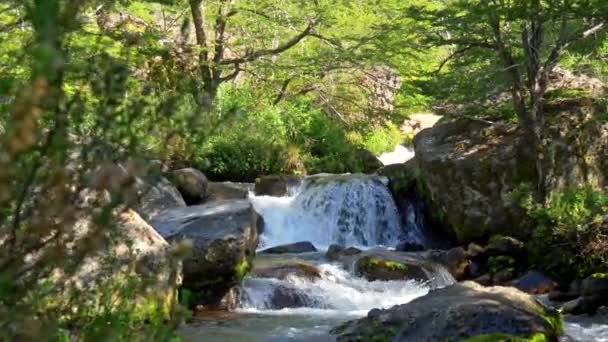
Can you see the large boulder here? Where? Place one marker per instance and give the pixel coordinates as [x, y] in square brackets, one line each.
[224, 236]
[456, 313]
[469, 168]
[191, 183]
[104, 253]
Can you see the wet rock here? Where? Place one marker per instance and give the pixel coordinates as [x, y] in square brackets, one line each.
[191, 183]
[457, 262]
[559, 296]
[368, 161]
[409, 247]
[373, 268]
[477, 269]
[286, 297]
[463, 310]
[301, 270]
[277, 186]
[582, 305]
[220, 191]
[294, 248]
[335, 252]
[535, 282]
[223, 235]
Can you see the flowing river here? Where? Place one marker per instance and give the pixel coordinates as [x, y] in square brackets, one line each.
[350, 210]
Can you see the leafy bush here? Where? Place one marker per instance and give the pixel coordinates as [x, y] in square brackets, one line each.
[571, 236]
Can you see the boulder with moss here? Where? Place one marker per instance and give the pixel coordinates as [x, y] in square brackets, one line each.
[461, 312]
[470, 169]
[224, 237]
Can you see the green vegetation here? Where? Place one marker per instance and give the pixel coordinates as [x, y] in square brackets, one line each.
[570, 234]
[92, 90]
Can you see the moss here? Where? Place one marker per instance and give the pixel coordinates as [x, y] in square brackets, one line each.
[599, 276]
[242, 270]
[555, 320]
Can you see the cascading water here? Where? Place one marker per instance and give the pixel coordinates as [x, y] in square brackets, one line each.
[350, 210]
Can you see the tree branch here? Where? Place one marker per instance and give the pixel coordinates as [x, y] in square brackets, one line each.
[252, 56]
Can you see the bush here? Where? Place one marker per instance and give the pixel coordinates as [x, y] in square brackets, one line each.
[571, 236]
[259, 138]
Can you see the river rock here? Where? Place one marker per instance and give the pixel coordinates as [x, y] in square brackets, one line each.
[368, 161]
[381, 269]
[335, 252]
[277, 186]
[224, 236]
[157, 197]
[294, 248]
[191, 183]
[220, 191]
[455, 313]
[535, 282]
[455, 260]
[470, 167]
[406, 246]
[286, 297]
[299, 269]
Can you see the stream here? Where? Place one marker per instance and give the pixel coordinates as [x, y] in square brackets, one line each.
[350, 210]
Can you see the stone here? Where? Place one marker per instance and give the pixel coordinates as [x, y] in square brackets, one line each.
[224, 237]
[457, 262]
[373, 268]
[456, 313]
[581, 305]
[535, 282]
[475, 251]
[506, 245]
[294, 248]
[276, 186]
[98, 254]
[220, 191]
[484, 280]
[299, 269]
[368, 161]
[470, 167]
[334, 252]
[286, 297]
[596, 285]
[191, 183]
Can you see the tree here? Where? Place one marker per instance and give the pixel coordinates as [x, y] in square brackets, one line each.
[527, 37]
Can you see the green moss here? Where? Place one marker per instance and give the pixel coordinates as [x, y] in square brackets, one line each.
[555, 320]
[600, 276]
[242, 270]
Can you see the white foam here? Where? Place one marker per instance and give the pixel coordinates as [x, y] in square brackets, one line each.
[400, 155]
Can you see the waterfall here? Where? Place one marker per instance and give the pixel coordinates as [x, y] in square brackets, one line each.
[350, 210]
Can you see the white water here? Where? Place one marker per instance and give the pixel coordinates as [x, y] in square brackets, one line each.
[400, 155]
[350, 210]
[337, 293]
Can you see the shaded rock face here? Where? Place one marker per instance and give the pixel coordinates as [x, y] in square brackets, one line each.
[277, 186]
[157, 197]
[286, 297]
[223, 235]
[454, 313]
[298, 247]
[469, 169]
[594, 294]
[191, 183]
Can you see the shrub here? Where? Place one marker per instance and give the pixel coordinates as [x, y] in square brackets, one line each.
[571, 236]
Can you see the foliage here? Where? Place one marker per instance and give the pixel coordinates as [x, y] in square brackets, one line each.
[570, 239]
